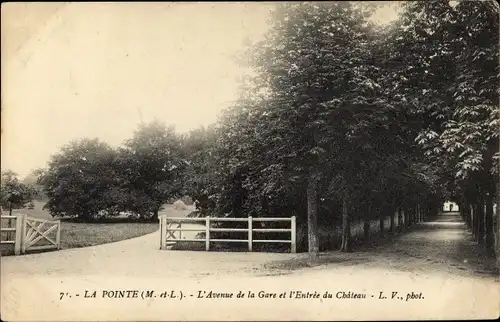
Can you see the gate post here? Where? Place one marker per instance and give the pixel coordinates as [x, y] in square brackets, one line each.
[160, 218]
[250, 237]
[207, 233]
[163, 232]
[19, 234]
[58, 236]
[293, 227]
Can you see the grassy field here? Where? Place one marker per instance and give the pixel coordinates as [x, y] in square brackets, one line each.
[74, 235]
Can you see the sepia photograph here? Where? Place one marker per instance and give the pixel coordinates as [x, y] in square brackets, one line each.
[250, 161]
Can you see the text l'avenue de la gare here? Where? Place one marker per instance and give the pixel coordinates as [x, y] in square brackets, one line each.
[241, 294]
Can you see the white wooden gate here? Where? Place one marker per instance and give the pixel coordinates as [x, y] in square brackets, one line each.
[172, 225]
[40, 234]
[31, 233]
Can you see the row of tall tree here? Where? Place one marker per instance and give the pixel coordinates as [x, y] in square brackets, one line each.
[457, 46]
[344, 116]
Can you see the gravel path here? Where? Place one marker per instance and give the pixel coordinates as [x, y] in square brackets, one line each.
[435, 259]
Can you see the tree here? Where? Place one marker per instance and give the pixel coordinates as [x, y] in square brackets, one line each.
[198, 148]
[150, 168]
[14, 194]
[79, 178]
[31, 180]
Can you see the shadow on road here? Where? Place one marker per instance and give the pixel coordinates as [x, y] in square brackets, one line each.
[440, 246]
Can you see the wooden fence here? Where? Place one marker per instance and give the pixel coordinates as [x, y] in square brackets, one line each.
[168, 227]
[31, 233]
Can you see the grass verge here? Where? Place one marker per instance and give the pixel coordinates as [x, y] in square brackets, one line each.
[76, 235]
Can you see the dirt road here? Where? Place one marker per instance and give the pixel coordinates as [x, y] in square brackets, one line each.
[441, 247]
[432, 272]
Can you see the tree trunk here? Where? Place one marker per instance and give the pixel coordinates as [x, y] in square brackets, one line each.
[490, 238]
[393, 214]
[410, 215]
[382, 220]
[463, 210]
[400, 219]
[477, 214]
[480, 222]
[406, 218]
[346, 228]
[474, 220]
[366, 222]
[480, 217]
[473, 214]
[154, 218]
[312, 217]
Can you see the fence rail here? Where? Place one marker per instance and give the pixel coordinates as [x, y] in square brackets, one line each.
[29, 232]
[170, 225]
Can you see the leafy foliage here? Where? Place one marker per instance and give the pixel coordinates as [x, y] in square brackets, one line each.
[77, 177]
[150, 166]
[15, 194]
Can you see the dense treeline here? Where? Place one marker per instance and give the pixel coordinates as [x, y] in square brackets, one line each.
[344, 120]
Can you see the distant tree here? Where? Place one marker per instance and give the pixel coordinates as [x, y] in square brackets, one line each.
[79, 178]
[31, 180]
[198, 149]
[15, 194]
[150, 167]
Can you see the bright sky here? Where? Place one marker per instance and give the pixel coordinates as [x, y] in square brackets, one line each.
[73, 70]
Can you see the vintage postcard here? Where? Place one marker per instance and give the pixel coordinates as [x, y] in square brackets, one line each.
[250, 161]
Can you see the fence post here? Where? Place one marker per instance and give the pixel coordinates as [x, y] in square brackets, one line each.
[207, 233]
[58, 236]
[160, 218]
[163, 242]
[250, 235]
[19, 234]
[293, 224]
